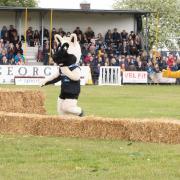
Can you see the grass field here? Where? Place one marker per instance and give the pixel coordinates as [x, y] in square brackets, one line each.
[72, 158]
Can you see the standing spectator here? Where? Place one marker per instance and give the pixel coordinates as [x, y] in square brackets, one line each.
[36, 37]
[77, 31]
[124, 35]
[46, 53]
[81, 39]
[45, 33]
[4, 31]
[116, 36]
[12, 31]
[89, 34]
[61, 32]
[6, 37]
[29, 36]
[108, 37]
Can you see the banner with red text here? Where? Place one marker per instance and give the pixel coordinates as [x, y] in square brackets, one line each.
[135, 77]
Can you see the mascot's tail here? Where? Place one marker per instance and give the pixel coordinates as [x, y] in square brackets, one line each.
[171, 74]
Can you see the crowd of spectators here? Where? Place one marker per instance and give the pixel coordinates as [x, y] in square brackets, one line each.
[11, 51]
[113, 49]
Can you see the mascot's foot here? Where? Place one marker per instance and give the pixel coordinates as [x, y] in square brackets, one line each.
[82, 114]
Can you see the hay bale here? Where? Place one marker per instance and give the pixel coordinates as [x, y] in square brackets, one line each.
[158, 131]
[22, 101]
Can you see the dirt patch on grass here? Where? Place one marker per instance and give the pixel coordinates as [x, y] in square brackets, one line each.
[158, 131]
[22, 101]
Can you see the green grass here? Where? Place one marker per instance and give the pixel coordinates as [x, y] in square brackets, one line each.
[26, 157]
[125, 101]
[81, 159]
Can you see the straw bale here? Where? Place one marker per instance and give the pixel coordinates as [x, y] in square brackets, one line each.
[23, 101]
[158, 131]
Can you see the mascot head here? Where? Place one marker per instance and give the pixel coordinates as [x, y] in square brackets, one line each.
[68, 50]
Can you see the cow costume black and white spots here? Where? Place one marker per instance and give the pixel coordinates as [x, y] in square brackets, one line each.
[67, 56]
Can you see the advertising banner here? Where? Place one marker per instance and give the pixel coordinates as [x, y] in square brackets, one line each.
[32, 75]
[135, 77]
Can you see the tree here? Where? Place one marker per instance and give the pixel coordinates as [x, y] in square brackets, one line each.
[164, 21]
[19, 3]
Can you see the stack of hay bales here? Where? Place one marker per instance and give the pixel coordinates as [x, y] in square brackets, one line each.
[23, 112]
[22, 101]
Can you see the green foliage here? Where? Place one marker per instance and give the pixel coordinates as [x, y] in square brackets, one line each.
[169, 18]
[19, 3]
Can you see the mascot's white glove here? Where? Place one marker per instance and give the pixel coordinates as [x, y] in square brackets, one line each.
[73, 75]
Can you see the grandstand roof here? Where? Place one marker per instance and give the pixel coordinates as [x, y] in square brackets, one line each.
[90, 11]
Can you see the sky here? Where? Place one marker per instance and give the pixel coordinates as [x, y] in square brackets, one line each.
[74, 4]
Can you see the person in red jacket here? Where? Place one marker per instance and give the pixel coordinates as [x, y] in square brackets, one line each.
[170, 61]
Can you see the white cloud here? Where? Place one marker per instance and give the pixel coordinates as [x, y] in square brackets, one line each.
[74, 4]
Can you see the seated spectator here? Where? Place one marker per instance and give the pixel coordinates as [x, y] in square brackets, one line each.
[4, 60]
[133, 64]
[99, 39]
[133, 48]
[114, 62]
[132, 36]
[106, 61]
[2, 55]
[101, 52]
[85, 50]
[170, 61]
[88, 59]
[19, 59]
[174, 66]
[161, 61]
[139, 63]
[92, 48]
[138, 43]
[18, 48]
[124, 49]
[10, 51]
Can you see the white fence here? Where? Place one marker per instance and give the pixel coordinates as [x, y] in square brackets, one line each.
[110, 75]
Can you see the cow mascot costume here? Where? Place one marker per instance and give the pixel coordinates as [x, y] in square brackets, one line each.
[67, 56]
